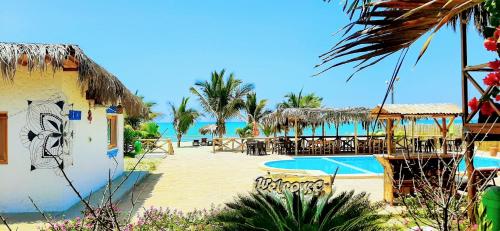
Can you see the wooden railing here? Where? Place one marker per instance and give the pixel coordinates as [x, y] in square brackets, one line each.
[158, 145]
[234, 144]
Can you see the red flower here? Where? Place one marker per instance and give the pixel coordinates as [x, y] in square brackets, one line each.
[473, 104]
[497, 98]
[487, 109]
[496, 35]
[490, 44]
[492, 79]
[495, 65]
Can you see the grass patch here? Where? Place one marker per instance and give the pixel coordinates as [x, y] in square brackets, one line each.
[145, 165]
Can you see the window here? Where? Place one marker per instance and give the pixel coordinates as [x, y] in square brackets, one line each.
[112, 134]
[3, 138]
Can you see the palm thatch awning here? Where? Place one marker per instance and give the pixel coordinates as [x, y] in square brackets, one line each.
[99, 84]
[316, 116]
[208, 129]
[408, 111]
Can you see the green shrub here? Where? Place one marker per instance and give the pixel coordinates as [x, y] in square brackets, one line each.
[245, 131]
[129, 137]
[149, 130]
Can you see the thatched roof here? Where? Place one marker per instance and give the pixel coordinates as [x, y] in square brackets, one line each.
[208, 129]
[316, 116]
[100, 85]
[416, 110]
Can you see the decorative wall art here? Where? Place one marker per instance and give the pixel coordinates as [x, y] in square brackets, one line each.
[48, 134]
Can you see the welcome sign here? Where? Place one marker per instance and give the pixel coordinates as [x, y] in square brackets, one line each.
[294, 183]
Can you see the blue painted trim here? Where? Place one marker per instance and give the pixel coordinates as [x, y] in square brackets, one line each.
[75, 115]
[112, 152]
[111, 109]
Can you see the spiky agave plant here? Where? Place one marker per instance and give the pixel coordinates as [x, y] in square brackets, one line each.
[293, 211]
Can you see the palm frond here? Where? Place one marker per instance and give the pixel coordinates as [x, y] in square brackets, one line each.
[388, 26]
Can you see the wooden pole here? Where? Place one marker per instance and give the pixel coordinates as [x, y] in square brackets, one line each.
[213, 143]
[323, 138]
[389, 132]
[444, 131]
[274, 141]
[413, 135]
[469, 153]
[337, 140]
[313, 144]
[356, 137]
[296, 138]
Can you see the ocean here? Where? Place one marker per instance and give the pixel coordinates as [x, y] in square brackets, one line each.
[193, 132]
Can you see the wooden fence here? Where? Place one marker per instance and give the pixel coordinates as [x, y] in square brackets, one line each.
[233, 144]
[158, 145]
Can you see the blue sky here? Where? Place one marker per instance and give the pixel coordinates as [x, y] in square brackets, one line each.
[162, 47]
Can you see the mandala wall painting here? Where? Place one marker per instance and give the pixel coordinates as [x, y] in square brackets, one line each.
[48, 134]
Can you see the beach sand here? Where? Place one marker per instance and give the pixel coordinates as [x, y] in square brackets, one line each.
[196, 178]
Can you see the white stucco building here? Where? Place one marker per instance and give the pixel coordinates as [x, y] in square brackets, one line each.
[55, 113]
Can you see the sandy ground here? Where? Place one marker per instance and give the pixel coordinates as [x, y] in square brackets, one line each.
[196, 178]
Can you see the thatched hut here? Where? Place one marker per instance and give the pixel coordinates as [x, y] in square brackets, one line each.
[59, 110]
[314, 117]
[392, 113]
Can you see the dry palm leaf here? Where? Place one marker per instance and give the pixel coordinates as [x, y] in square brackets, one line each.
[389, 26]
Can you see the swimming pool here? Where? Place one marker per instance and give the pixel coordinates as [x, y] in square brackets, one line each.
[353, 165]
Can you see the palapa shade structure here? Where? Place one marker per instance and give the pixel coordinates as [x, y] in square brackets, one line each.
[408, 111]
[98, 84]
[315, 117]
[393, 112]
[208, 129]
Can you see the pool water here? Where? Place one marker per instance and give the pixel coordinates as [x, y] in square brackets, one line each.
[356, 165]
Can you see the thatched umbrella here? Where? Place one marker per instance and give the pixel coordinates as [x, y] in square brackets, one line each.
[208, 129]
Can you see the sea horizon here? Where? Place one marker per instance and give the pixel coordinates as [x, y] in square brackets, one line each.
[231, 126]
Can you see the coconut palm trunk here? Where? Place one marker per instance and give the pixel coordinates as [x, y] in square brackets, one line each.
[179, 137]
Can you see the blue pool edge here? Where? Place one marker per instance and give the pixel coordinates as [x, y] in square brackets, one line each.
[273, 170]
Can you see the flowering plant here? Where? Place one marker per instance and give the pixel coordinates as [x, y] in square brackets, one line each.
[492, 79]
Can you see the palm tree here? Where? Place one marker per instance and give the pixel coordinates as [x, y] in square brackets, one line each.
[293, 100]
[221, 97]
[394, 25]
[135, 121]
[268, 211]
[254, 109]
[184, 118]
